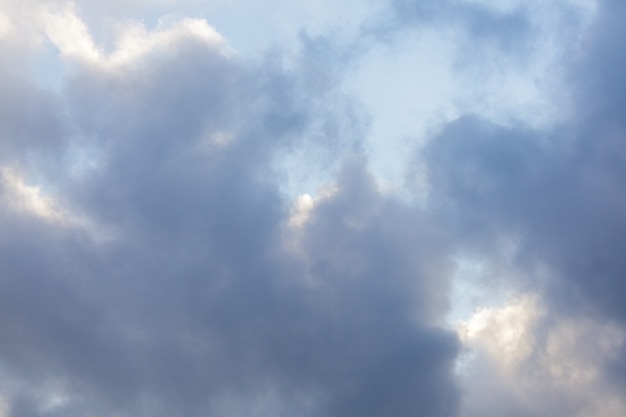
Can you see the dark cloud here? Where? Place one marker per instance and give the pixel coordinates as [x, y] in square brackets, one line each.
[558, 193]
[157, 270]
[171, 282]
[556, 197]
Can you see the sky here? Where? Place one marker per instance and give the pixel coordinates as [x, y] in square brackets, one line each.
[373, 208]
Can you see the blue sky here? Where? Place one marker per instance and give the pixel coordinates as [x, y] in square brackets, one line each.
[315, 208]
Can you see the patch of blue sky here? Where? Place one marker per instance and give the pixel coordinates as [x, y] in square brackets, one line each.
[408, 87]
[47, 69]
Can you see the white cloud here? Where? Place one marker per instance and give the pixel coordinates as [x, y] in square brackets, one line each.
[539, 363]
[135, 40]
[28, 199]
[504, 334]
[69, 33]
[305, 203]
[5, 25]
[301, 210]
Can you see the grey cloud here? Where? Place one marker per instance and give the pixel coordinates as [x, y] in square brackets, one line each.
[560, 201]
[556, 194]
[30, 121]
[193, 304]
[477, 19]
[560, 192]
[599, 97]
[30, 116]
[475, 23]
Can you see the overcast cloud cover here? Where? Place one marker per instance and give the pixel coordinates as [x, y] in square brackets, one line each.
[196, 219]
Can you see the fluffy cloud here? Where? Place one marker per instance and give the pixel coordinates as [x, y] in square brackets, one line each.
[151, 262]
[532, 361]
[556, 193]
[184, 289]
[547, 204]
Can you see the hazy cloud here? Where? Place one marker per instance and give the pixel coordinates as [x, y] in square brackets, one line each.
[548, 204]
[185, 289]
[154, 261]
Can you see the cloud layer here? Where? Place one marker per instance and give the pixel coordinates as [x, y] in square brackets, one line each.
[153, 263]
[185, 289]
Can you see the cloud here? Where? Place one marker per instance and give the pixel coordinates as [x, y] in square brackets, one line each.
[479, 20]
[153, 263]
[195, 303]
[531, 361]
[556, 192]
[547, 205]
